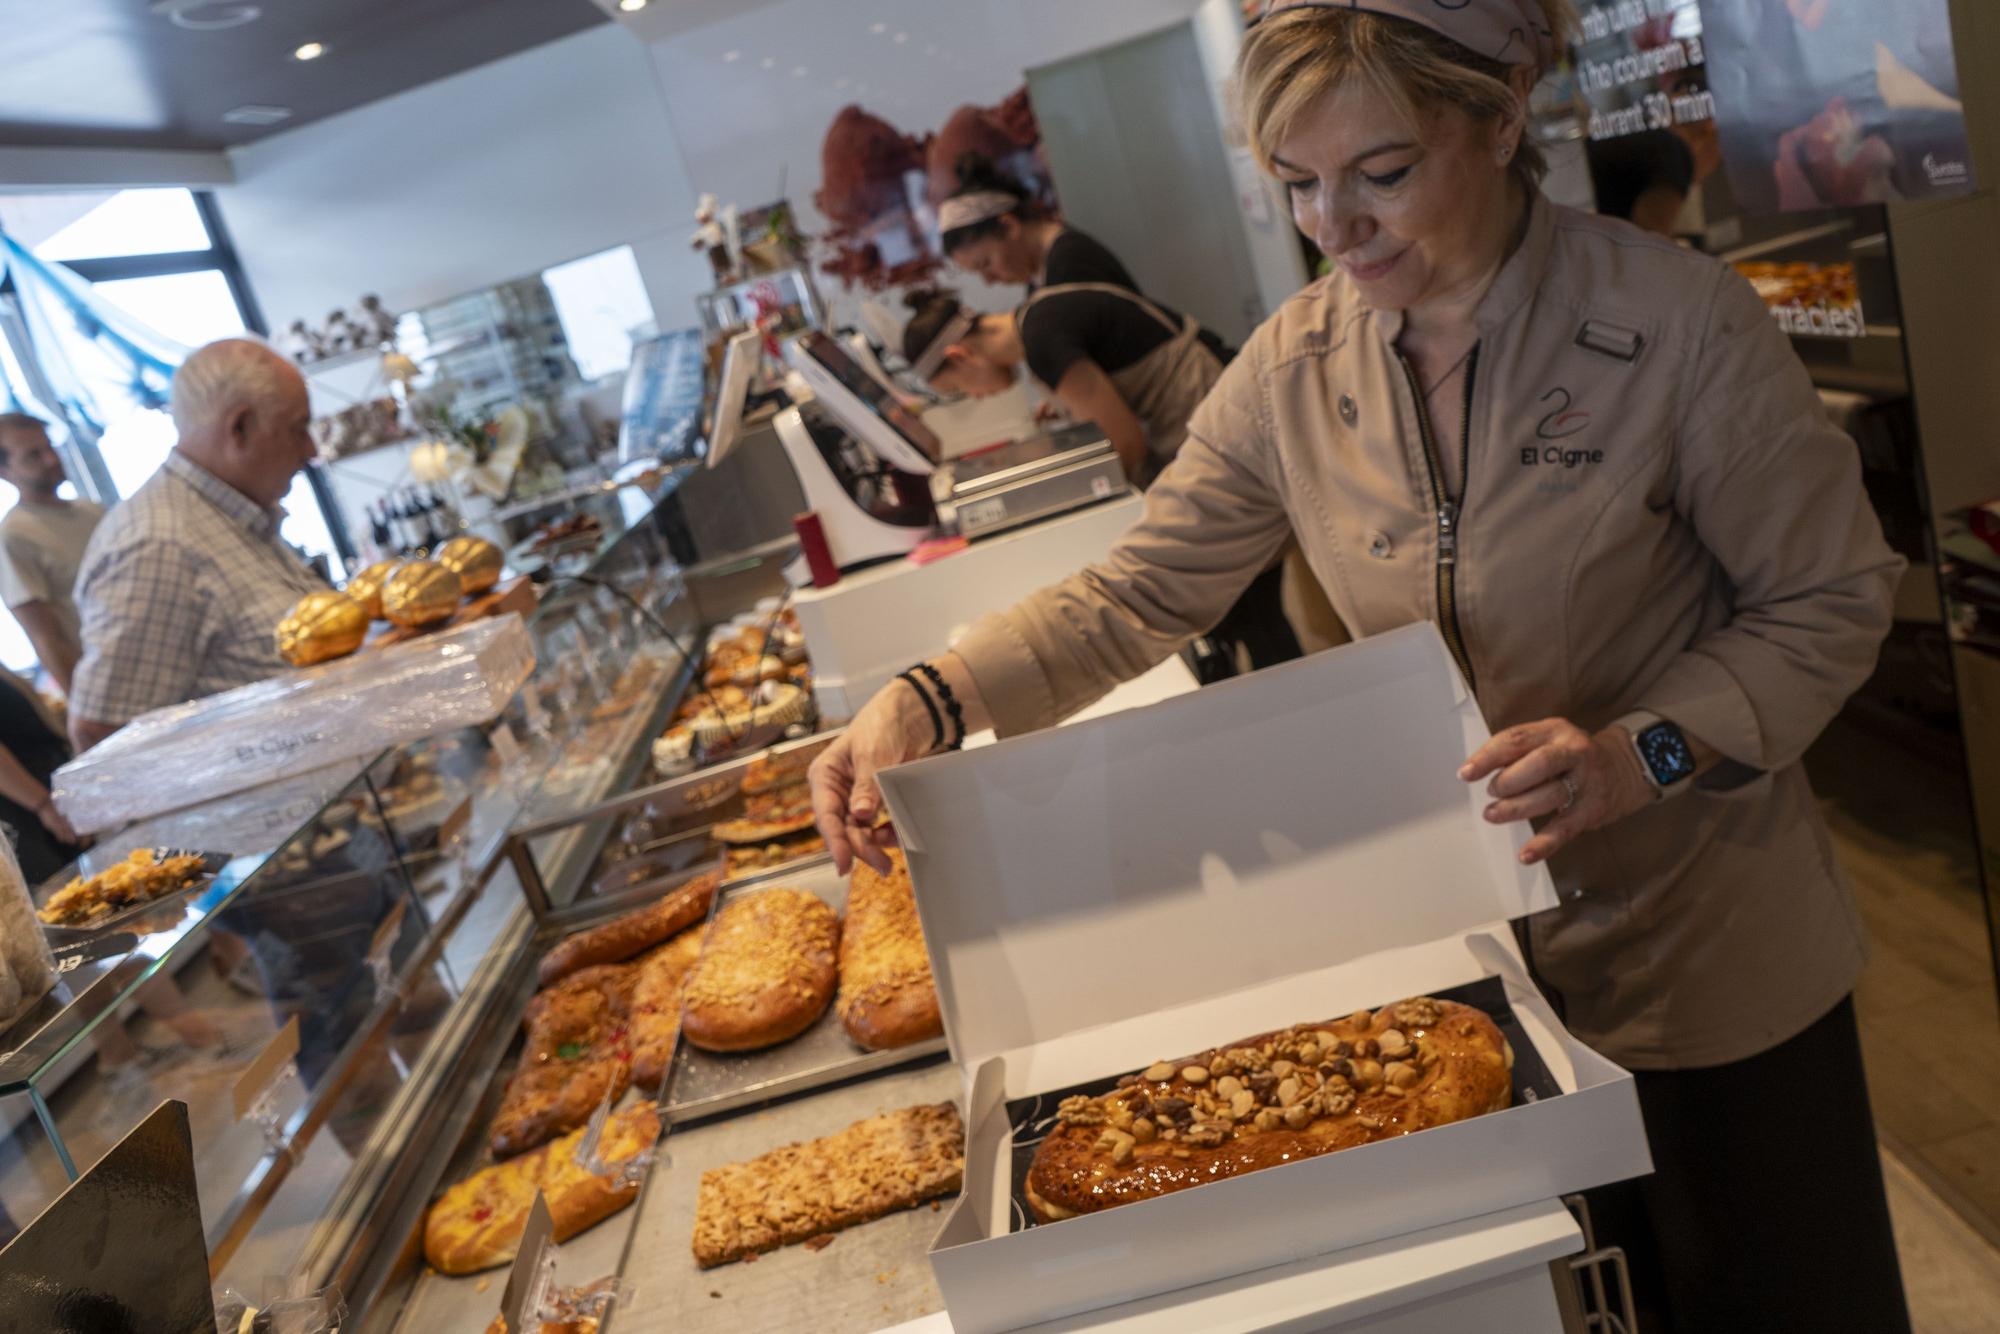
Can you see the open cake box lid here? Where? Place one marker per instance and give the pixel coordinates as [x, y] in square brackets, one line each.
[1304, 816]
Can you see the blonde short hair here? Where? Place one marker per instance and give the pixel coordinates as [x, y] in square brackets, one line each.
[1294, 58]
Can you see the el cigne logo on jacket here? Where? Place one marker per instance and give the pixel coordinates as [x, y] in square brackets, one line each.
[1557, 443]
[1559, 424]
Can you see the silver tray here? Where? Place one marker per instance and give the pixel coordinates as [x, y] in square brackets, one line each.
[63, 938]
[871, 1277]
[702, 1084]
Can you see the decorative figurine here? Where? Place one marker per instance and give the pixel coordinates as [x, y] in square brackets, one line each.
[342, 335]
[712, 238]
[379, 323]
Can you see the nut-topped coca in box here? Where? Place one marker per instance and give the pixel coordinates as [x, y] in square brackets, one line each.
[1237, 967]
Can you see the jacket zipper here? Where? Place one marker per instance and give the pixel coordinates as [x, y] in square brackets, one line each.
[1449, 509]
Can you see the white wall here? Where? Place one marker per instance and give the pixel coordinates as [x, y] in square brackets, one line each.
[587, 143]
[498, 172]
[743, 109]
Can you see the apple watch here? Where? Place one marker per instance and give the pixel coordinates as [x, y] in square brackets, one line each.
[1664, 753]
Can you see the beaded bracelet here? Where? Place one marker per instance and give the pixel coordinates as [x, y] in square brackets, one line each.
[937, 720]
[951, 704]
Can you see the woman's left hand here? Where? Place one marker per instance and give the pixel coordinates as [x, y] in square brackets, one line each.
[1554, 768]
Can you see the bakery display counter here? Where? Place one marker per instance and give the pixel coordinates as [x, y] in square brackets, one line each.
[245, 1001]
[596, 1015]
[706, 1084]
[868, 1278]
[645, 839]
[311, 1000]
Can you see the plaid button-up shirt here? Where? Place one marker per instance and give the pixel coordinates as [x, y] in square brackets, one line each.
[181, 592]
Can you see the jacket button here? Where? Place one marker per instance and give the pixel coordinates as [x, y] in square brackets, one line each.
[1380, 547]
[1348, 412]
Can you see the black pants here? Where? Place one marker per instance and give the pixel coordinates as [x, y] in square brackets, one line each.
[1258, 622]
[1766, 1210]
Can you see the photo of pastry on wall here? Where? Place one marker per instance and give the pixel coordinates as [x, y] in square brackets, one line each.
[1836, 102]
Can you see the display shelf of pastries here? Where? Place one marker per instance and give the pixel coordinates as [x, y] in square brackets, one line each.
[868, 1276]
[597, 1014]
[681, 822]
[755, 679]
[820, 1050]
[128, 889]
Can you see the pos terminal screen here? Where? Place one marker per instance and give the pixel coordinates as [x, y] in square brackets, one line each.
[874, 395]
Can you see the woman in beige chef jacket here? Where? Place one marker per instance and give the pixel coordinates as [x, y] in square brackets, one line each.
[1593, 461]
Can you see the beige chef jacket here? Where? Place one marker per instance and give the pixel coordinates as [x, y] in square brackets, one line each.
[1656, 516]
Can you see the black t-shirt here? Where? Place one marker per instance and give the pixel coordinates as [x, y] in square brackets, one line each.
[1114, 331]
[1076, 258]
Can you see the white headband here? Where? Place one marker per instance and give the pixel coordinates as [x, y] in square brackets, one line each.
[955, 328]
[969, 210]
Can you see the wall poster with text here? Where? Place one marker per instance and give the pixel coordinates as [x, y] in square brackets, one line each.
[1825, 103]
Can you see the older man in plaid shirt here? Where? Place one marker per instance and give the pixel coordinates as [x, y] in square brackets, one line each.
[184, 583]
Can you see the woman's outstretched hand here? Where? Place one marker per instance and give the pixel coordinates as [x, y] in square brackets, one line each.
[1554, 768]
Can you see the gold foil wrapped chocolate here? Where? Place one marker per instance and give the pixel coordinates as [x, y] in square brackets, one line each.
[474, 560]
[321, 627]
[422, 592]
[366, 587]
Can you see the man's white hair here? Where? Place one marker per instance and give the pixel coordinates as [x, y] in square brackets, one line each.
[216, 380]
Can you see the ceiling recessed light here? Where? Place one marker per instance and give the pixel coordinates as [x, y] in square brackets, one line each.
[256, 115]
[731, 57]
[769, 62]
[902, 37]
[206, 15]
[310, 51]
[631, 6]
[798, 71]
[878, 28]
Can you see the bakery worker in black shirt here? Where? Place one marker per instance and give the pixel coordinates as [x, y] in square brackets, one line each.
[993, 227]
[1108, 354]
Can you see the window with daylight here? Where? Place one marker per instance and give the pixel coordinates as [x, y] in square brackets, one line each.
[159, 256]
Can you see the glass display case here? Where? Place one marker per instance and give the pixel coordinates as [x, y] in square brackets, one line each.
[333, 999]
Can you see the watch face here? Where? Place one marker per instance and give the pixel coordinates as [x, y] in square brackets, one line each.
[1666, 753]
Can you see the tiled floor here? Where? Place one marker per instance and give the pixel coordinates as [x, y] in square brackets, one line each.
[1929, 1023]
[1951, 1274]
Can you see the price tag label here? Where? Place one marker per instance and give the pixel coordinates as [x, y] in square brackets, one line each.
[453, 826]
[103, 947]
[528, 1280]
[382, 950]
[982, 512]
[271, 1064]
[505, 743]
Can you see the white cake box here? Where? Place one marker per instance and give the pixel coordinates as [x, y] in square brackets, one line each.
[1285, 848]
[296, 721]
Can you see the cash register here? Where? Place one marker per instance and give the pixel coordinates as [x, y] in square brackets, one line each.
[869, 466]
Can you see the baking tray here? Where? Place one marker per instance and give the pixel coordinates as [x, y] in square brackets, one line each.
[870, 1278]
[1033, 1117]
[168, 908]
[466, 1304]
[703, 1084]
[444, 1304]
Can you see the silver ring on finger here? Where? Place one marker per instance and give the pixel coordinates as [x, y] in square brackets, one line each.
[1569, 792]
